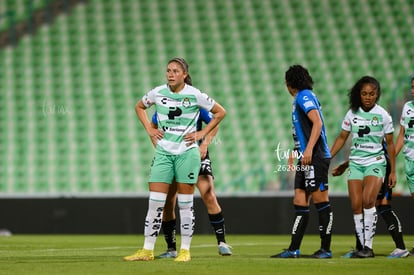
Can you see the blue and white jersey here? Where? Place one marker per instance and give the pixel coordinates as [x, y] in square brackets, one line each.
[304, 102]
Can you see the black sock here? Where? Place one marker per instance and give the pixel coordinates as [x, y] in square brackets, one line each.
[325, 224]
[169, 230]
[393, 224]
[358, 244]
[217, 222]
[299, 226]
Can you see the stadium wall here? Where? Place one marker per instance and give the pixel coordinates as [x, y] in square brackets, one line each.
[243, 215]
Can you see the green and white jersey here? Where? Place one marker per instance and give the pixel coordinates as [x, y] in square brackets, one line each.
[407, 121]
[177, 115]
[368, 130]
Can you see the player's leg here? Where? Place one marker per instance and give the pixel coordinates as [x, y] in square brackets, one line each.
[394, 228]
[355, 196]
[205, 185]
[301, 206]
[161, 177]
[409, 172]
[391, 219]
[318, 173]
[355, 190]
[187, 167]
[153, 219]
[372, 185]
[169, 223]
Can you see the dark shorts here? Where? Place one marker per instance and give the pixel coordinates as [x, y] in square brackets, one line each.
[205, 168]
[385, 191]
[313, 177]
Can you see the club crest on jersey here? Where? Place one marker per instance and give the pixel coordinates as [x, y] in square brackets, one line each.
[186, 102]
[374, 121]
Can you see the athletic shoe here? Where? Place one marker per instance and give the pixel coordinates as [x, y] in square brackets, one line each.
[287, 254]
[183, 256]
[224, 249]
[366, 252]
[322, 254]
[170, 253]
[141, 255]
[399, 253]
[350, 254]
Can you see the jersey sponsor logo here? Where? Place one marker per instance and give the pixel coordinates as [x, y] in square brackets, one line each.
[363, 130]
[363, 146]
[308, 104]
[171, 129]
[174, 112]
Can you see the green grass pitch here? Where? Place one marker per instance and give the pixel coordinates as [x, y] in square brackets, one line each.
[102, 254]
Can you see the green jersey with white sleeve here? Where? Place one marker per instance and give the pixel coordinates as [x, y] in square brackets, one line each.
[177, 115]
[407, 121]
[368, 130]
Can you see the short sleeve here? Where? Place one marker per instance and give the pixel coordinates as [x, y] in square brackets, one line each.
[206, 102]
[149, 98]
[346, 122]
[402, 119]
[388, 125]
[306, 101]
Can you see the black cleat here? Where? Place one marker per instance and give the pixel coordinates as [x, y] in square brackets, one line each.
[366, 252]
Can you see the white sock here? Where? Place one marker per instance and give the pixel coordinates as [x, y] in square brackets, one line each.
[359, 227]
[185, 204]
[370, 222]
[153, 219]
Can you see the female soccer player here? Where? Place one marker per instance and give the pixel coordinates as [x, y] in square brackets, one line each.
[205, 185]
[311, 179]
[177, 155]
[369, 124]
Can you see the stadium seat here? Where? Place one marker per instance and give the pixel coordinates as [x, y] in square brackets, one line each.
[97, 61]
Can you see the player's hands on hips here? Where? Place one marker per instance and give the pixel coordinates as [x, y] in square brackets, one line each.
[193, 137]
[155, 135]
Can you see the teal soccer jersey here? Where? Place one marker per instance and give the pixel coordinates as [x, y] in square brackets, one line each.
[407, 121]
[368, 130]
[177, 115]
